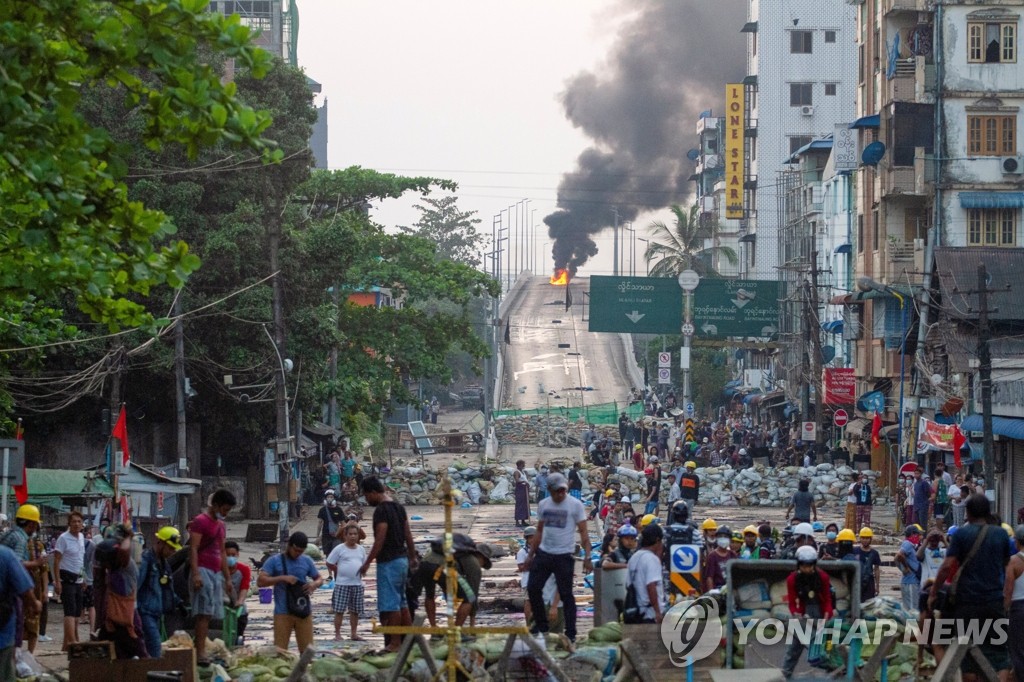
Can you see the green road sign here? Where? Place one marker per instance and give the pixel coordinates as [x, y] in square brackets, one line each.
[642, 305]
[736, 307]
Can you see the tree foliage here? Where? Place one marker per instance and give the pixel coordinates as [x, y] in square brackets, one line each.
[452, 230]
[69, 226]
[682, 246]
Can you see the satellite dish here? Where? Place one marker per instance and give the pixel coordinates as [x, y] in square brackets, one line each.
[872, 154]
[712, 162]
[693, 154]
[936, 379]
[828, 354]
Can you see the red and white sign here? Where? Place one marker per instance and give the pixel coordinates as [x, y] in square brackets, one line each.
[840, 385]
[841, 418]
[809, 431]
[664, 359]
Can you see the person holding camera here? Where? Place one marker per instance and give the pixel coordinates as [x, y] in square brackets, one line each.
[295, 578]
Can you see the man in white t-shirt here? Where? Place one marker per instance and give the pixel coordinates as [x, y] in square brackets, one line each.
[552, 553]
[645, 574]
[68, 564]
[345, 561]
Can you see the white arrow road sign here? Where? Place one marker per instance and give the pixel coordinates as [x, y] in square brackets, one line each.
[685, 558]
[635, 316]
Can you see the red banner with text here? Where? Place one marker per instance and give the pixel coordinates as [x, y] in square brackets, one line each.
[840, 385]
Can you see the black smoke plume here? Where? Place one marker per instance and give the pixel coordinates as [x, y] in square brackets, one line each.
[671, 61]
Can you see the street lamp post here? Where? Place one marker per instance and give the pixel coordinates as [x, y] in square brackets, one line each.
[286, 475]
[688, 281]
[645, 241]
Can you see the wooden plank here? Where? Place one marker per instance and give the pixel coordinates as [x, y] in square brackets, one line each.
[635, 658]
[867, 672]
[986, 668]
[502, 664]
[950, 665]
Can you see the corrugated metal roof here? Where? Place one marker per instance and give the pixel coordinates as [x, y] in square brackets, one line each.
[49, 487]
[957, 268]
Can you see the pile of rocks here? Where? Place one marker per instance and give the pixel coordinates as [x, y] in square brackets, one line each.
[545, 430]
[720, 486]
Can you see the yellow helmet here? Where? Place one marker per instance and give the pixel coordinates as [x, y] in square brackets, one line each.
[750, 529]
[28, 512]
[647, 520]
[737, 537]
[691, 464]
[866, 532]
[1007, 528]
[609, 492]
[709, 524]
[846, 534]
[171, 536]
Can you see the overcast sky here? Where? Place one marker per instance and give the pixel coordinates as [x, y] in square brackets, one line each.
[475, 91]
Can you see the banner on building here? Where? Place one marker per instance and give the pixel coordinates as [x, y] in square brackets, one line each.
[840, 385]
[734, 131]
[934, 436]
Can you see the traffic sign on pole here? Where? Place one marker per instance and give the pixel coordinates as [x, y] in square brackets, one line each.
[664, 359]
[640, 305]
[664, 375]
[841, 417]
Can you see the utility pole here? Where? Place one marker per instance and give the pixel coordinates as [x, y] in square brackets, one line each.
[985, 374]
[194, 501]
[814, 329]
[615, 242]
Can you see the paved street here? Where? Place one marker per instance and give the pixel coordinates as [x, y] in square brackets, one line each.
[552, 355]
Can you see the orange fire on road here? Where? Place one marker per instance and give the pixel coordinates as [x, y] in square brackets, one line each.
[560, 278]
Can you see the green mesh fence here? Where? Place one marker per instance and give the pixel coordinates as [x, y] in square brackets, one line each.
[603, 413]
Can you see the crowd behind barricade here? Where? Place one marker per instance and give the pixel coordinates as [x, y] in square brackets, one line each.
[953, 545]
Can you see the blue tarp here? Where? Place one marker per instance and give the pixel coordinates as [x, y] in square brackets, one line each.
[1001, 426]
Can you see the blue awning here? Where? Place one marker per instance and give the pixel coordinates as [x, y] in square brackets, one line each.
[843, 248]
[991, 199]
[833, 327]
[873, 121]
[1001, 426]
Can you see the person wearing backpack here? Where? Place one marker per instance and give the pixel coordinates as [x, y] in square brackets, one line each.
[645, 579]
[295, 578]
[155, 595]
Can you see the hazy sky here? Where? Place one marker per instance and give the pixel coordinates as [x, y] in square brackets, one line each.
[478, 92]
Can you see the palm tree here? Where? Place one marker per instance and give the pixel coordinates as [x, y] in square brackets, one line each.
[682, 247]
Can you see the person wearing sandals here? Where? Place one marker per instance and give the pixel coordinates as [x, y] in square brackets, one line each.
[344, 561]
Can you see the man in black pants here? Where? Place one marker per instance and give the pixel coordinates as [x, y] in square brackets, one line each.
[552, 553]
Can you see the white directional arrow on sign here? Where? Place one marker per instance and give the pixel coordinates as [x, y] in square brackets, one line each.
[686, 558]
[635, 316]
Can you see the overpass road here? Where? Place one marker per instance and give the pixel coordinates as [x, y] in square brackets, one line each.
[552, 356]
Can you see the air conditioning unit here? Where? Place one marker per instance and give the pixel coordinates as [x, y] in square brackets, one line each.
[1012, 165]
[807, 110]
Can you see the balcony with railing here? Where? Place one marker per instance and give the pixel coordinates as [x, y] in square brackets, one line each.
[891, 6]
[903, 261]
[898, 180]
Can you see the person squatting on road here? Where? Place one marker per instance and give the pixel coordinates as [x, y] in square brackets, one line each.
[471, 559]
[552, 553]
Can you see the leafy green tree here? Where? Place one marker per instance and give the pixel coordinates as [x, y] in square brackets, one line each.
[682, 246]
[69, 225]
[452, 230]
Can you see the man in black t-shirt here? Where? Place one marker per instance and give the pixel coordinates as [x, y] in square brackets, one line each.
[395, 553]
[330, 518]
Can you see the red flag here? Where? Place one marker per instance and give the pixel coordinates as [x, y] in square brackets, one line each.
[120, 432]
[958, 444]
[21, 491]
[876, 431]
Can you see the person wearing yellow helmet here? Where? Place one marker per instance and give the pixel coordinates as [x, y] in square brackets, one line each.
[870, 565]
[647, 520]
[155, 595]
[750, 548]
[846, 540]
[736, 542]
[689, 485]
[709, 527]
[26, 524]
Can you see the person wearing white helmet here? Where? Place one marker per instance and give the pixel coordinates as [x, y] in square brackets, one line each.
[809, 596]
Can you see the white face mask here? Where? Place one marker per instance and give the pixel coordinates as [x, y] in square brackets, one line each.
[722, 542]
